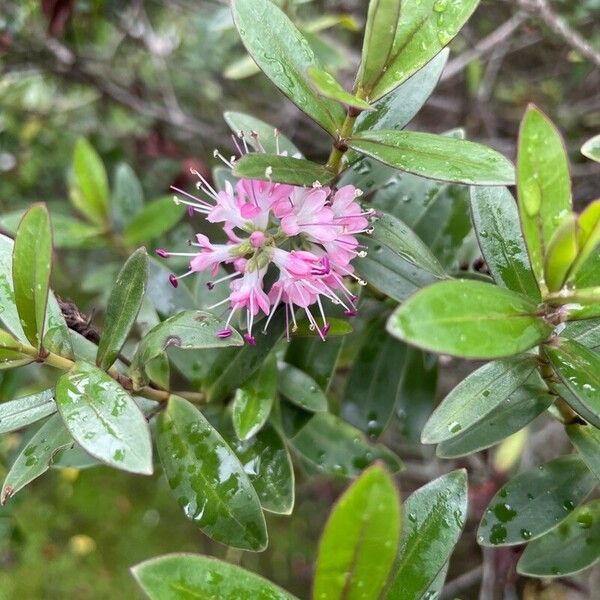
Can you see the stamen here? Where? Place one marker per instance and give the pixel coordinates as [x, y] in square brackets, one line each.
[224, 333]
[209, 189]
[211, 284]
[162, 253]
[250, 339]
[226, 162]
[257, 141]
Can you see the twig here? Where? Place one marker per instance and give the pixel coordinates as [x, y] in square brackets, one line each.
[463, 582]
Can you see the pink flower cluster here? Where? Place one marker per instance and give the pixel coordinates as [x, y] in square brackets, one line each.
[305, 236]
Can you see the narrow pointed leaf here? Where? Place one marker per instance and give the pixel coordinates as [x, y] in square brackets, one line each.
[469, 319]
[155, 219]
[104, 420]
[26, 410]
[561, 253]
[535, 501]
[586, 438]
[591, 149]
[123, 307]
[327, 86]
[434, 517]
[588, 237]
[436, 156]
[360, 540]
[301, 389]
[11, 354]
[179, 576]
[282, 169]
[207, 478]
[32, 263]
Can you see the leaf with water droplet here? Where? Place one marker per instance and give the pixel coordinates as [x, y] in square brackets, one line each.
[586, 439]
[20, 412]
[301, 389]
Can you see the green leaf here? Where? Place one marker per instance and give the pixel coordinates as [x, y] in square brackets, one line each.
[11, 354]
[268, 138]
[476, 396]
[241, 68]
[334, 447]
[434, 518]
[207, 479]
[585, 332]
[179, 576]
[32, 263]
[123, 307]
[103, 419]
[496, 220]
[72, 233]
[301, 389]
[586, 438]
[337, 327]
[127, 197]
[561, 253]
[164, 297]
[360, 540]
[521, 407]
[569, 548]
[436, 156]
[327, 86]
[591, 149]
[35, 457]
[469, 319]
[252, 403]
[155, 219]
[281, 169]
[588, 237]
[535, 501]
[578, 368]
[26, 410]
[89, 192]
[285, 56]
[380, 30]
[543, 185]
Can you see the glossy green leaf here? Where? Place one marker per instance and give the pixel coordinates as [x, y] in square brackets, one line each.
[423, 30]
[103, 419]
[585, 332]
[360, 540]
[588, 237]
[127, 196]
[436, 156]
[569, 548]
[179, 576]
[434, 518]
[469, 319]
[158, 369]
[535, 501]
[591, 149]
[586, 438]
[11, 354]
[282, 169]
[207, 478]
[123, 307]
[156, 218]
[315, 358]
[561, 252]
[327, 86]
[26, 410]
[32, 263]
[496, 220]
[476, 396]
[252, 403]
[334, 447]
[268, 138]
[544, 184]
[285, 56]
[36, 456]
[89, 192]
[301, 389]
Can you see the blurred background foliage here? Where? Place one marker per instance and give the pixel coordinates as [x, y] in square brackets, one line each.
[146, 83]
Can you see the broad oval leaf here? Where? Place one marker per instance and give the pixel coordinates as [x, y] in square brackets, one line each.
[285, 56]
[207, 478]
[569, 548]
[469, 319]
[301, 389]
[591, 149]
[436, 156]
[476, 396]
[32, 263]
[586, 438]
[434, 517]
[26, 410]
[155, 219]
[327, 85]
[535, 501]
[123, 307]
[281, 169]
[103, 419]
[360, 540]
[178, 576]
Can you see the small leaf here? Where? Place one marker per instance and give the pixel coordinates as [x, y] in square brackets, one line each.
[32, 263]
[360, 540]
[469, 319]
[434, 517]
[591, 149]
[155, 219]
[535, 501]
[586, 438]
[281, 169]
[72, 233]
[89, 194]
[285, 56]
[11, 354]
[26, 410]
[301, 389]
[122, 308]
[436, 156]
[103, 419]
[561, 253]
[178, 576]
[588, 237]
[36, 456]
[252, 403]
[476, 396]
[328, 87]
[127, 197]
[496, 220]
[337, 327]
[207, 478]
